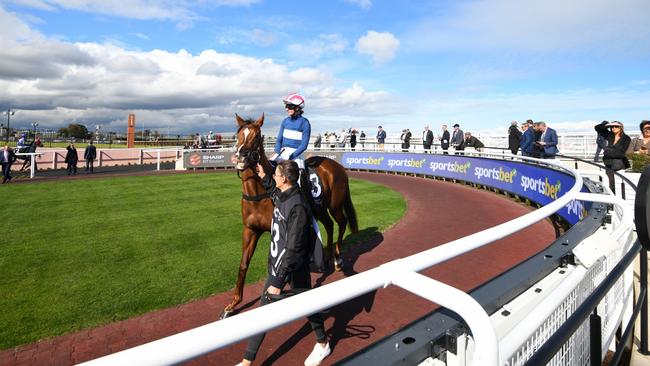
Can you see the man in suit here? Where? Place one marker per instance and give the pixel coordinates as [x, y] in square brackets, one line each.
[547, 142]
[527, 139]
[90, 153]
[6, 159]
[427, 139]
[458, 138]
[381, 138]
[444, 139]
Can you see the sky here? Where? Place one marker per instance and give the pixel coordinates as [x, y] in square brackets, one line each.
[186, 66]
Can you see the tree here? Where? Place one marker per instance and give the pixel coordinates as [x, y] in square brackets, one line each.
[74, 130]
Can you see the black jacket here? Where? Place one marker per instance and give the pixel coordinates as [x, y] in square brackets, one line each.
[90, 153]
[472, 141]
[613, 152]
[428, 139]
[514, 138]
[444, 140]
[291, 233]
[71, 156]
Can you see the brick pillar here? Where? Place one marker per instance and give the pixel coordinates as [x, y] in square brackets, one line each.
[130, 135]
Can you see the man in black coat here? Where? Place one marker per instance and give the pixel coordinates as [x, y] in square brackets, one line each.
[90, 154]
[514, 137]
[427, 139]
[6, 159]
[71, 158]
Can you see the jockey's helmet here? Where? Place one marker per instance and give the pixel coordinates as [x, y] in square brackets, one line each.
[295, 100]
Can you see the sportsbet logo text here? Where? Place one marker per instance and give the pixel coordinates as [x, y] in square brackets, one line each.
[496, 174]
[367, 161]
[541, 186]
[406, 162]
[450, 167]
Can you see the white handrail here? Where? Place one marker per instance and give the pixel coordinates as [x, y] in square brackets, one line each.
[198, 341]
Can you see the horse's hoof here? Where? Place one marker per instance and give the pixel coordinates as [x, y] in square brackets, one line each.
[225, 313]
[338, 264]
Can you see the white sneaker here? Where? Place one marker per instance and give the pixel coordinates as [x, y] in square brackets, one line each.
[318, 354]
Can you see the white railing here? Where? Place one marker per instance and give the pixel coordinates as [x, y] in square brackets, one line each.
[32, 160]
[402, 272]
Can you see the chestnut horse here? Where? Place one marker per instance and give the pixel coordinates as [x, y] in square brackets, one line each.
[257, 207]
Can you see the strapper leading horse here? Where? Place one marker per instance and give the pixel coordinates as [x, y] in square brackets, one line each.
[257, 207]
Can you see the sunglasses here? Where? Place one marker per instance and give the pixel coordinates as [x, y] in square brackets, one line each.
[290, 107]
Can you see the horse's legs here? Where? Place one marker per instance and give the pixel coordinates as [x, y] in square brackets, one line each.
[342, 222]
[249, 242]
[324, 217]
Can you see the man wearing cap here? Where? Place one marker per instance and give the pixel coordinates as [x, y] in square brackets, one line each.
[547, 142]
[458, 138]
[381, 138]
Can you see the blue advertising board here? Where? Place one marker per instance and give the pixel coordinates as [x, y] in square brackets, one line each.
[538, 184]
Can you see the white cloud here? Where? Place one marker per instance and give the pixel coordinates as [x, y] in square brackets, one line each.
[380, 46]
[363, 4]
[56, 83]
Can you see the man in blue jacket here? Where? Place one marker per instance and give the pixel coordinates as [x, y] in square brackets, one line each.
[527, 139]
[295, 130]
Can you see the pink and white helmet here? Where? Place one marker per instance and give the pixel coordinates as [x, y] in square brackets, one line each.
[295, 99]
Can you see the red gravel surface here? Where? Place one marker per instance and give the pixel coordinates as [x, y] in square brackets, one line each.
[437, 212]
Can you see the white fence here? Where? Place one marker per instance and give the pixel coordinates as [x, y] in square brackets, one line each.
[494, 342]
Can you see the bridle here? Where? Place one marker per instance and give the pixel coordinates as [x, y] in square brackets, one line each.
[251, 157]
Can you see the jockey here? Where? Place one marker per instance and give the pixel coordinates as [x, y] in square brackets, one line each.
[295, 130]
[22, 143]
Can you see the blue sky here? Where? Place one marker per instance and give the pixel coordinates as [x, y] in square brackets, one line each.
[189, 66]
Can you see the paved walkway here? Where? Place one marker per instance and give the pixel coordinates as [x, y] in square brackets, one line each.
[438, 212]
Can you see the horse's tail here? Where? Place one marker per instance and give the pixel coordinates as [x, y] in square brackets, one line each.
[350, 212]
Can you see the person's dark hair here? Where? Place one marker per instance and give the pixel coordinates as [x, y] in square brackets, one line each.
[290, 170]
[643, 124]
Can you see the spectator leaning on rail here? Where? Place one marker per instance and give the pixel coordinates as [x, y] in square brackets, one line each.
[472, 141]
[289, 253]
[514, 137]
[295, 130]
[547, 142]
[641, 145]
[617, 144]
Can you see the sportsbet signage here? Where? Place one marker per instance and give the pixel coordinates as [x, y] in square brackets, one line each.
[536, 183]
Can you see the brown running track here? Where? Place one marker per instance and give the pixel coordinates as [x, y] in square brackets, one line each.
[437, 212]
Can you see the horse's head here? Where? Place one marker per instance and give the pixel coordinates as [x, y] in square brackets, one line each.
[250, 147]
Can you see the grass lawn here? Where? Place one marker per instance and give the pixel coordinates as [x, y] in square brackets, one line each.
[81, 253]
